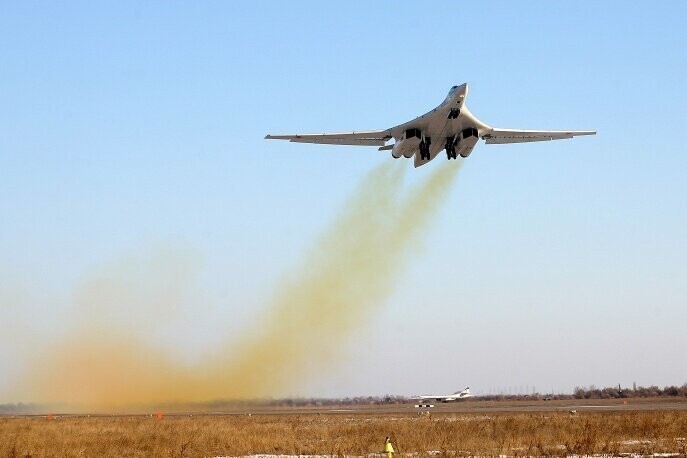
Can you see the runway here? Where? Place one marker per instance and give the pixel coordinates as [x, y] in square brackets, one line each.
[404, 409]
[467, 407]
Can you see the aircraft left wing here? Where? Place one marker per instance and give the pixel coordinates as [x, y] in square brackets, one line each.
[500, 136]
[363, 138]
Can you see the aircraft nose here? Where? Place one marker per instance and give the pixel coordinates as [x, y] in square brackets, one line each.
[462, 90]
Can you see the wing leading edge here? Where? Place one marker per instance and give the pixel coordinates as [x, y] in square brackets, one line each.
[363, 138]
[501, 136]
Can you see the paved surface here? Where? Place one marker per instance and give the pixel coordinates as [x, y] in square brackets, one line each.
[467, 407]
[485, 407]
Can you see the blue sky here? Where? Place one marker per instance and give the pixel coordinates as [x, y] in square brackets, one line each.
[133, 128]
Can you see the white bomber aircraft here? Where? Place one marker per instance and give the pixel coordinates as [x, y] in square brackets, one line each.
[457, 396]
[450, 126]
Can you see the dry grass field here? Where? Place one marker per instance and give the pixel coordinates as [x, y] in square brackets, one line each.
[513, 434]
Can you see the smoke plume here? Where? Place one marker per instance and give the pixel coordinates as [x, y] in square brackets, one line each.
[343, 280]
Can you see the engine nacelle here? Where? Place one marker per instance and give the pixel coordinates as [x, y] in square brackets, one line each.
[469, 140]
[465, 152]
[397, 151]
[406, 148]
[408, 145]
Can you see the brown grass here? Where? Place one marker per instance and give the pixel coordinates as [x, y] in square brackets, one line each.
[532, 434]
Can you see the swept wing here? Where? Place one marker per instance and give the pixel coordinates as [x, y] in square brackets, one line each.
[501, 136]
[361, 138]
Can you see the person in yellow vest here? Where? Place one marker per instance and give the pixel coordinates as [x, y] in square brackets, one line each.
[388, 447]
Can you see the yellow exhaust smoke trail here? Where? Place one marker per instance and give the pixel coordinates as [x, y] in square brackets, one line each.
[348, 274]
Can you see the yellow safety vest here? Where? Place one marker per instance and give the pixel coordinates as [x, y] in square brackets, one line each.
[388, 448]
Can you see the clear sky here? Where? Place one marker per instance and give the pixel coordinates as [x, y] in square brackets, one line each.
[131, 128]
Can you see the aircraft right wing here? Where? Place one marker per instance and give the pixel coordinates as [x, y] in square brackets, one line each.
[364, 138]
[500, 136]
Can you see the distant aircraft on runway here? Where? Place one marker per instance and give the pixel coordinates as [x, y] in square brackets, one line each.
[457, 396]
[450, 126]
